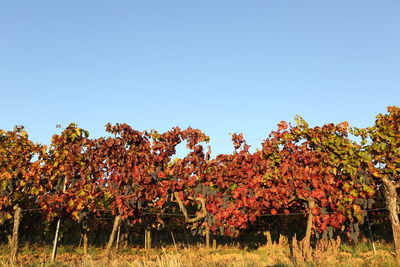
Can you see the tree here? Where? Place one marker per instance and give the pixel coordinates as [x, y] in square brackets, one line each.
[71, 189]
[18, 178]
[321, 167]
[236, 179]
[384, 147]
[181, 176]
[134, 163]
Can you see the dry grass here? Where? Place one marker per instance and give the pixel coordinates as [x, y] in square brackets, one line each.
[326, 253]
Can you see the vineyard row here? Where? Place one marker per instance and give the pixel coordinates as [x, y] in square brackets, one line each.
[320, 172]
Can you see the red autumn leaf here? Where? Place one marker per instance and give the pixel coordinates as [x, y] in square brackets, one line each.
[161, 175]
[286, 212]
[318, 194]
[282, 126]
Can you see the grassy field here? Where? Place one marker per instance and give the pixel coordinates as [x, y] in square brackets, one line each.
[269, 255]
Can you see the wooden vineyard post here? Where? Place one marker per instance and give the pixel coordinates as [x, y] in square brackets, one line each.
[307, 238]
[55, 242]
[85, 243]
[268, 237]
[118, 236]
[173, 240]
[84, 236]
[54, 251]
[207, 237]
[147, 239]
[14, 239]
[117, 222]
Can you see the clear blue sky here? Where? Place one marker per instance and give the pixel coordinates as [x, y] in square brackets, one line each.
[221, 66]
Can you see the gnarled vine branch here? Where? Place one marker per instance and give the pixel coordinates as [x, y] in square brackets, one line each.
[203, 213]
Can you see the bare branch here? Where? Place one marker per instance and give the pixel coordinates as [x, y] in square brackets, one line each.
[302, 198]
[203, 213]
[181, 206]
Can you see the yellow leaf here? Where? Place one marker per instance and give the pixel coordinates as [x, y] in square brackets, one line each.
[79, 206]
[75, 215]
